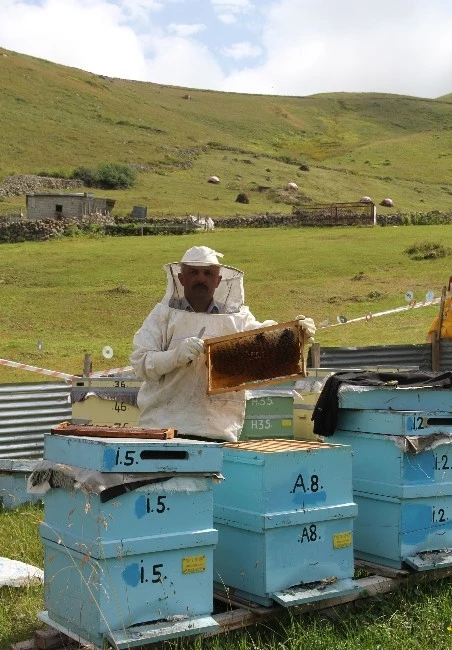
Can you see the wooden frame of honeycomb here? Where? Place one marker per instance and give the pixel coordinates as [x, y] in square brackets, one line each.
[110, 431]
[259, 357]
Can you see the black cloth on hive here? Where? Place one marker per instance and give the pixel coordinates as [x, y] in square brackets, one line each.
[326, 410]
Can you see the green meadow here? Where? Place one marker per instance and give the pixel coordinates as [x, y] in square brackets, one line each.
[77, 295]
[416, 617]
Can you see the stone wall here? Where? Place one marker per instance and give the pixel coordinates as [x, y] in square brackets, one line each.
[27, 184]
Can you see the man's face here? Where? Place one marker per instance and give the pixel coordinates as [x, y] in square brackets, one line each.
[199, 282]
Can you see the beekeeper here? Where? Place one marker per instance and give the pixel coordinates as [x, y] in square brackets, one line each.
[204, 299]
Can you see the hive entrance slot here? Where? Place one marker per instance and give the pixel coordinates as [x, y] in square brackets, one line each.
[161, 454]
[440, 422]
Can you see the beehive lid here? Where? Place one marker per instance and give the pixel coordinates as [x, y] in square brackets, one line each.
[259, 357]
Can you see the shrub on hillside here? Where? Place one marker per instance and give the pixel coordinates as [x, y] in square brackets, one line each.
[114, 176]
[109, 176]
[427, 251]
[87, 175]
[53, 174]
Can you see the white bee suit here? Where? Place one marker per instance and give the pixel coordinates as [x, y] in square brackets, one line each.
[177, 398]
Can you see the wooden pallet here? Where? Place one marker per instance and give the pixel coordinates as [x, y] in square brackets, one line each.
[241, 614]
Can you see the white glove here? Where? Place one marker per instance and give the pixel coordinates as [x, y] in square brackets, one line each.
[189, 350]
[308, 325]
[161, 363]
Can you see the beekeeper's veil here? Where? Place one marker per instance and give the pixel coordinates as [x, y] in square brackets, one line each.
[229, 292]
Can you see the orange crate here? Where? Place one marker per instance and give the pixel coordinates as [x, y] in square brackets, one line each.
[259, 357]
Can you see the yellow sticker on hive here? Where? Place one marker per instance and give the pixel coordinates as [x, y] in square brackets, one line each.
[286, 423]
[194, 564]
[341, 540]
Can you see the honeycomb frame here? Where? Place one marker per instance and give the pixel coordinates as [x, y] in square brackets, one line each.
[255, 358]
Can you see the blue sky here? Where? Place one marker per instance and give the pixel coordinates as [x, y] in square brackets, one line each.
[277, 47]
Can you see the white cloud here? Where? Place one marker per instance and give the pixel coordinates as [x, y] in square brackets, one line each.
[233, 6]
[290, 47]
[186, 30]
[227, 19]
[86, 34]
[324, 46]
[181, 62]
[229, 11]
[140, 9]
[243, 50]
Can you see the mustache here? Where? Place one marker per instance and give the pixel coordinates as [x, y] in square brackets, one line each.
[200, 285]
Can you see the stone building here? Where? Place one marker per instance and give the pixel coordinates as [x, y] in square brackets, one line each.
[59, 205]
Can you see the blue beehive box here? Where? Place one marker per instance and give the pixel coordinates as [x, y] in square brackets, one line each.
[133, 455]
[284, 516]
[160, 507]
[394, 532]
[402, 480]
[120, 564]
[404, 501]
[397, 398]
[396, 423]
[101, 589]
[14, 475]
[392, 466]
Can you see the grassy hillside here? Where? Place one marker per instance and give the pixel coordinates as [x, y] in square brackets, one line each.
[54, 118]
[76, 296]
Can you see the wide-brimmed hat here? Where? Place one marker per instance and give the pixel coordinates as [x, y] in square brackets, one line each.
[201, 256]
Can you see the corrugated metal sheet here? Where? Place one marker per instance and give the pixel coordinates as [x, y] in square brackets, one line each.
[27, 412]
[446, 354]
[398, 357]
